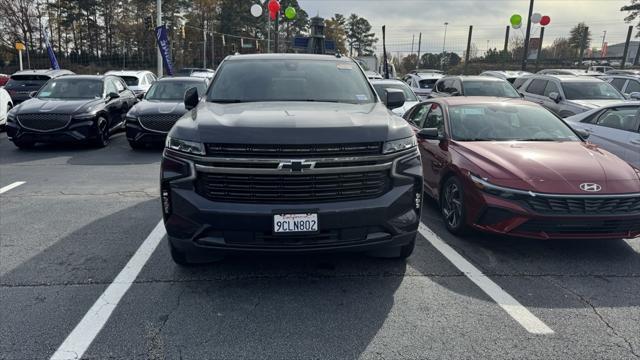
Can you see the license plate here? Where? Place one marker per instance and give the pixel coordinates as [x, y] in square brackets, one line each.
[295, 223]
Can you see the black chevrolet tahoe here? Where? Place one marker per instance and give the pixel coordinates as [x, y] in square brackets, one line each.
[290, 153]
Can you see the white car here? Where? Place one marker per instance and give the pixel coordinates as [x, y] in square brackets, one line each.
[575, 72]
[410, 98]
[422, 83]
[372, 75]
[510, 76]
[615, 128]
[137, 81]
[5, 105]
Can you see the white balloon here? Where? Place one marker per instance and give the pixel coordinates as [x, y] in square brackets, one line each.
[256, 10]
[516, 26]
[535, 18]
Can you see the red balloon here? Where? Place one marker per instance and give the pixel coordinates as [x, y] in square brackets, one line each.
[274, 6]
[545, 20]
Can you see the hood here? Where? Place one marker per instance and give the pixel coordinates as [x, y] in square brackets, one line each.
[153, 107]
[59, 106]
[550, 167]
[290, 123]
[592, 104]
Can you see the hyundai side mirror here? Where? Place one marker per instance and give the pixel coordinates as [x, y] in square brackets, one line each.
[634, 95]
[555, 97]
[191, 98]
[429, 134]
[393, 98]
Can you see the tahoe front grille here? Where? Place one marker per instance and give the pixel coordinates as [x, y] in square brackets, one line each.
[44, 122]
[584, 205]
[294, 151]
[160, 122]
[292, 189]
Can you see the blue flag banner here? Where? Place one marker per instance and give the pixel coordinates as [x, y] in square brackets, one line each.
[52, 55]
[165, 50]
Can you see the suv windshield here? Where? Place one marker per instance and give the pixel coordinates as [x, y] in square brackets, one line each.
[583, 90]
[408, 94]
[249, 80]
[506, 122]
[27, 80]
[130, 80]
[173, 90]
[427, 83]
[490, 88]
[70, 88]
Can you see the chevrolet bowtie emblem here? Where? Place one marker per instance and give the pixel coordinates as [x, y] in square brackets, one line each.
[296, 165]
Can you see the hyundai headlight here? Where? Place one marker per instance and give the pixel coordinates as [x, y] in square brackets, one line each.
[190, 147]
[508, 193]
[399, 145]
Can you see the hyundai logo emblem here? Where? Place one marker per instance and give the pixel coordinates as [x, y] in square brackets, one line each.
[590, 187]
[296, 165]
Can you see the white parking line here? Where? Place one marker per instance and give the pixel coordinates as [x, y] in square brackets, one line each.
[518, 312]
[11, 186]
[86, 331]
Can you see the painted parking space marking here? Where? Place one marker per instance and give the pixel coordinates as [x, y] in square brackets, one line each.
[79, 340]
[518, 312]
[11, 186]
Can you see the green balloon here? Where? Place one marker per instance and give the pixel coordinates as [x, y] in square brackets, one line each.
[516, 20]
[290, 13]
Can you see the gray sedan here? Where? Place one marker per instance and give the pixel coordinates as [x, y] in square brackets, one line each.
[615, 128]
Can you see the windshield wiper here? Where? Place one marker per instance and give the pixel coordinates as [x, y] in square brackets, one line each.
[228, 101]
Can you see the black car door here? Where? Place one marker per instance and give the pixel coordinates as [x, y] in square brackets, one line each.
[113, 104]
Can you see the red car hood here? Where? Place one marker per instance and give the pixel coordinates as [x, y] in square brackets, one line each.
[550, 167]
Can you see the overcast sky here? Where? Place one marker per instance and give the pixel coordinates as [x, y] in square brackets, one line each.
[489, 18]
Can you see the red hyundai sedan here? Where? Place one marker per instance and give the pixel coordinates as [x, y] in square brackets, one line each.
[511, 167]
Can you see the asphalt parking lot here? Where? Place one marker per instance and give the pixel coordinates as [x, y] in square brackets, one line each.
[82, 213]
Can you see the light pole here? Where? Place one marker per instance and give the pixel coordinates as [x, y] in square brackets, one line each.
[444, 42]
[604, 37]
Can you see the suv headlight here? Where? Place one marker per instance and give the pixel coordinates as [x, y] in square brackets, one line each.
[190, 147]
[399, 145]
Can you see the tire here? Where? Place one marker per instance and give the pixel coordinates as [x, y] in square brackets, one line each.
[24, 144]
[136, 145]
[102, 133]
[452, 206]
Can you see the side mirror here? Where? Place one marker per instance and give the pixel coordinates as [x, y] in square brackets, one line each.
[429, 134]
[191, 98]
[112, 95]
[583, 133]
[634, 96]
[33, 94]
[555, 97]
[393, 98]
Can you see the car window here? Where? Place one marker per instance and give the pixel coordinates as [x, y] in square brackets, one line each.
[427, 83]
[623, 118]
[632, 86]
[551, 88]
[506, 122]
[251, 80]
[130, 80]
[490, 88]
[419, 115]
[74, 88]
[618, 83]
[440, 86]
[119, 85]
[173, 90]
[537, 87]
[435, 119]
[517, 83]
[587, 90]
[110, 87]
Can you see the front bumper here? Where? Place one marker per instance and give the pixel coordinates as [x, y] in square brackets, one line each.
[497, 215]
[196, 225]
[75, 131]
[136, 133]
